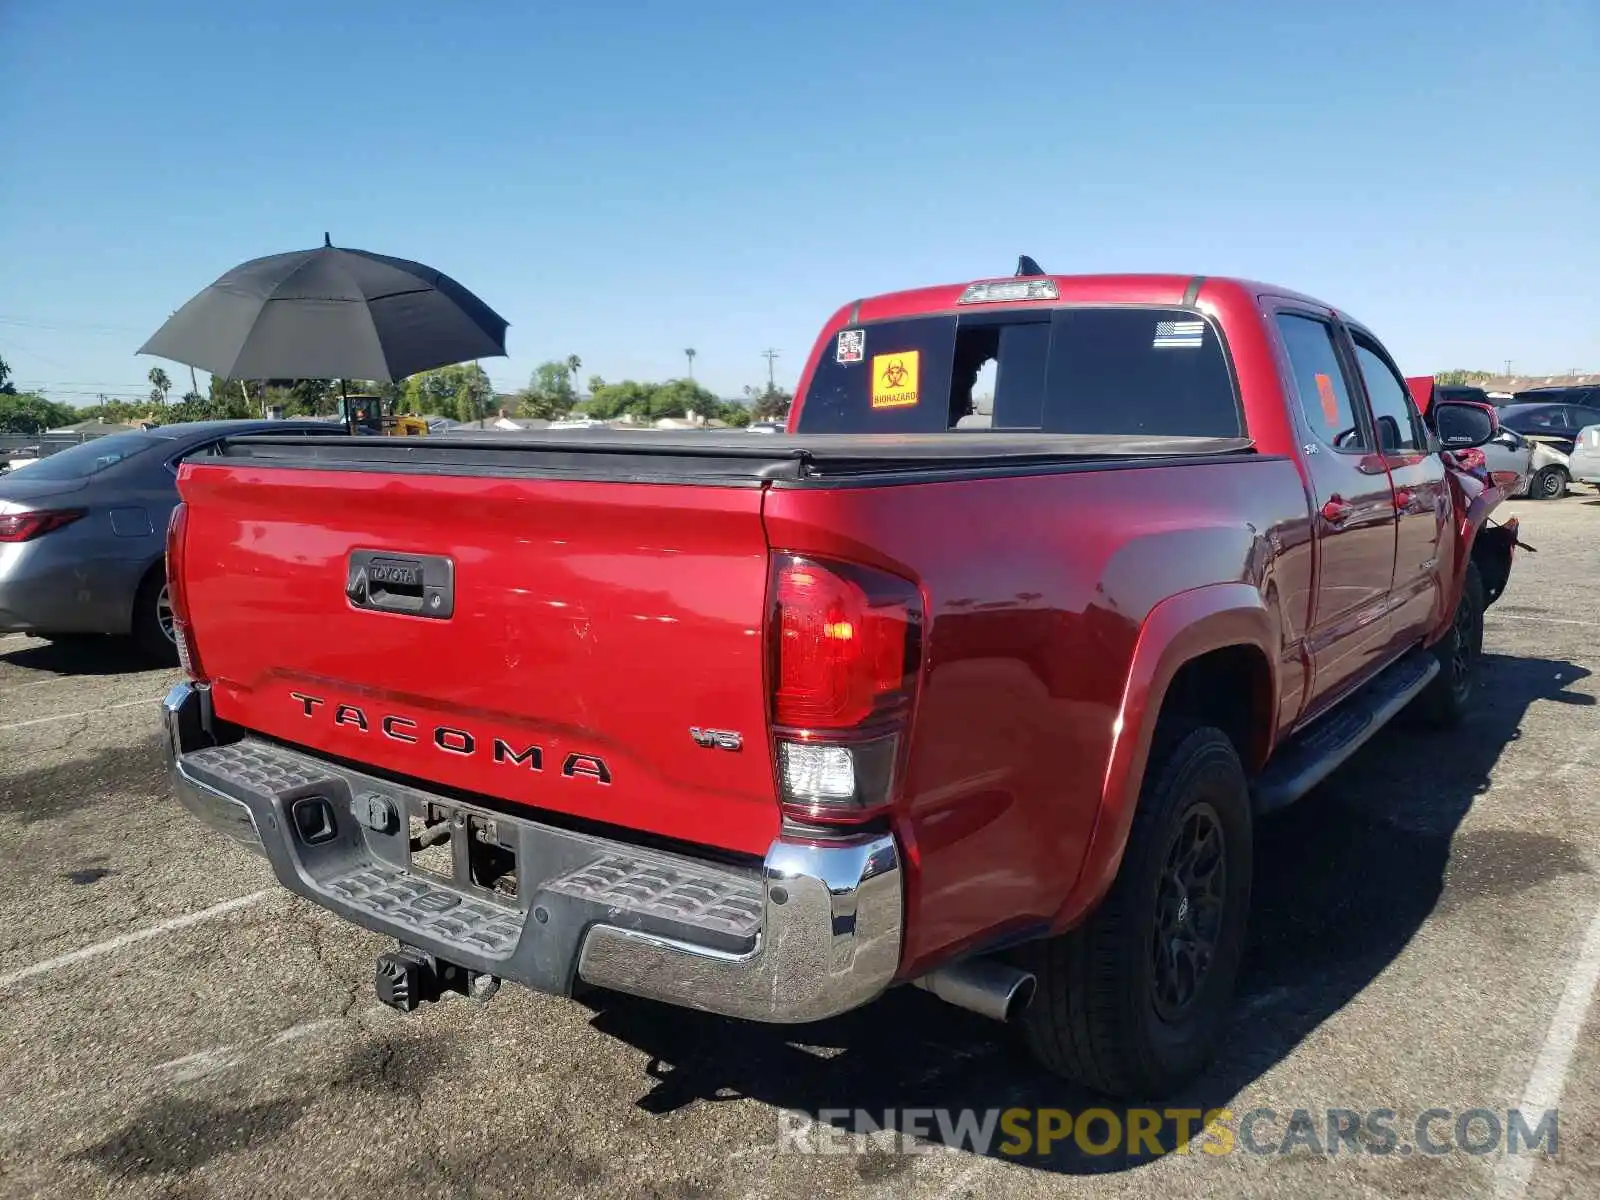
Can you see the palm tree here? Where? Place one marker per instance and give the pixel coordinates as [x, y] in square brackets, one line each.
[689, 354]
[574, 365]
[160, 385]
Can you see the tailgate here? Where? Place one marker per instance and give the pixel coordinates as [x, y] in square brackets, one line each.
[592, 625]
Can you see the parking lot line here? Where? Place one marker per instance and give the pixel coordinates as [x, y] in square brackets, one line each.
[93, 712]
[171, 925]
[1543, 620]
[1549, 1076]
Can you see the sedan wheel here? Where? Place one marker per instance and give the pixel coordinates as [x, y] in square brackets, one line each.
[164, 613]
[1550, 483]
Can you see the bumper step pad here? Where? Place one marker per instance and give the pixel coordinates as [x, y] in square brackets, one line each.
[730, 903]
[429, 910]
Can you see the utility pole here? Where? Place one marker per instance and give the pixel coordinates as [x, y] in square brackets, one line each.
[772, 357]
[689, 354]
[1508, 367]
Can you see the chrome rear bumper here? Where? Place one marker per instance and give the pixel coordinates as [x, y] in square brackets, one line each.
[815, 932]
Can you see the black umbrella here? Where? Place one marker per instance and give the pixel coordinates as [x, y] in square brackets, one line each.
[330, 313]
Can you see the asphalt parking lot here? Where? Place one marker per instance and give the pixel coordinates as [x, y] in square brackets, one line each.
[1426, 934]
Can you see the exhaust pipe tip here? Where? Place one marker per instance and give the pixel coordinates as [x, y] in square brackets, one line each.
[982, 985]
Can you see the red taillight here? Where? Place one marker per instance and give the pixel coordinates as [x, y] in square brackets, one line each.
[846, 645]
[178, 596]
[25, 526]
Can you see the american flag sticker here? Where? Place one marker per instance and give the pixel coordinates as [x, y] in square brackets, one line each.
[1179, 335]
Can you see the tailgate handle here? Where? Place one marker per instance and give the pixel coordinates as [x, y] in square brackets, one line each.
[418, 585]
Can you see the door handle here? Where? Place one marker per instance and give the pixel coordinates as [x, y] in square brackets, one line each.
[1337, 510]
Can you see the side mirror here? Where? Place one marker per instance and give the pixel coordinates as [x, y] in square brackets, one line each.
[1461, 425]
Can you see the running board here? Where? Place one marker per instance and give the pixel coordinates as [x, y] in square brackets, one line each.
[1311, 756]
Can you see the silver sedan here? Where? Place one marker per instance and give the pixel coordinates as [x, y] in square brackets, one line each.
[83, 532]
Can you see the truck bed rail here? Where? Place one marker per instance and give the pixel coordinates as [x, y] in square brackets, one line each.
[729, 459]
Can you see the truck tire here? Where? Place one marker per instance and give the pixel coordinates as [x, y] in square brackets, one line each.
[1548, 483]
[152, 619]
[1132, 1002]
[1444, 701]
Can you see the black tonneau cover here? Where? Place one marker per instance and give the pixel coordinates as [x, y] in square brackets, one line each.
[724, 457]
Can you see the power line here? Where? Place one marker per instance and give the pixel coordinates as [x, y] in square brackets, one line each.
[63, 326]
[36, 381]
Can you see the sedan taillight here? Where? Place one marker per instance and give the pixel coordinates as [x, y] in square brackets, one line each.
[25, 526]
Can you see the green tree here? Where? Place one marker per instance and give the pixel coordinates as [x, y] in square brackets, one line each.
[653, 401]
[160, 385]
[313, 397]
[7, 388]
[550, 392]
[769, 403]
[1458, 377]
[234, 398]
[29, 412]
[111, 411]
[462, 391]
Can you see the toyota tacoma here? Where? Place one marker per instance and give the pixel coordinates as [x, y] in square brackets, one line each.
[975, 678]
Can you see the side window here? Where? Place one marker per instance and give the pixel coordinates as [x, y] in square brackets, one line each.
[1398, 430]
[1319, 381]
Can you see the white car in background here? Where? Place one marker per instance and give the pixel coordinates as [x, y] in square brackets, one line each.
[1584, 462]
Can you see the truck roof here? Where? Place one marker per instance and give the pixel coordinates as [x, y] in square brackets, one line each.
[1074, 289]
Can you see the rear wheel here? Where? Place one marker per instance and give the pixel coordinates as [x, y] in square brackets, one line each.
[1133, 1001]
[1548, 483]
[152, 619]
[1444, 702]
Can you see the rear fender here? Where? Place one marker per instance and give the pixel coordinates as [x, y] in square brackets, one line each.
[1177, 631]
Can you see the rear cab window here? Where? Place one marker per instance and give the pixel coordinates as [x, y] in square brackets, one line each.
[1147, 370]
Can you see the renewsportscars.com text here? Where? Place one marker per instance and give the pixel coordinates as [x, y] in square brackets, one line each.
[1023, 1133]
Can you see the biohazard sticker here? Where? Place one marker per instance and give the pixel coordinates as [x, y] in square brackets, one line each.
[852, 346]
[1329, 400]
[894, 379]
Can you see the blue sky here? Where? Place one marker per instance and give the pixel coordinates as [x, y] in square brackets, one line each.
[622, 180]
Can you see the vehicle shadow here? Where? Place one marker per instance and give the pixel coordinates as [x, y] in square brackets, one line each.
[1376, 838]
[83, 654]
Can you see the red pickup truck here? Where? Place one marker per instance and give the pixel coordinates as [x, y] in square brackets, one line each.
[976, 686]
